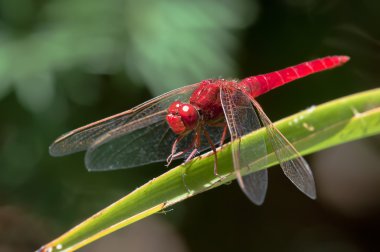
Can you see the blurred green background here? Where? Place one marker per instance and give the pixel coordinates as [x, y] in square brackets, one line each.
[65, 63]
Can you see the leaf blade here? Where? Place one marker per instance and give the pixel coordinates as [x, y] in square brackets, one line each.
[335, 122]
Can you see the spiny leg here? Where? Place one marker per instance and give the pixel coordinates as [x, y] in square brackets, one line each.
[174, 155]
[193, 152]
[174, 148]
[223, 135]
[214, 151]
[194, 144]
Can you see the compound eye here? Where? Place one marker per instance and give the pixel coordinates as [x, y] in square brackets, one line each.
[174, 107]
[189, 115]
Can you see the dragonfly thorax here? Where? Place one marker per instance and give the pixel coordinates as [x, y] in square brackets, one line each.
[182, 117]
[207, 99]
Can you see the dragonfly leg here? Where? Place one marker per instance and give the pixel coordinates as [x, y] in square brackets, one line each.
[174, 155]
[192, 154]
[174, 149]
[223, 135]
[195, 145]
[214, 151]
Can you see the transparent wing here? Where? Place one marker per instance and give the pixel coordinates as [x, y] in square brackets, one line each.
[131, 148]
[126, 149]
[292, 163]
[148, 113]
[242, 119]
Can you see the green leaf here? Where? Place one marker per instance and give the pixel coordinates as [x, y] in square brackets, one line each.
[319, 127]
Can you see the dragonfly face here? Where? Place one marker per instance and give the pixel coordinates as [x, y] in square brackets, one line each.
[182, 117]
[204, 107]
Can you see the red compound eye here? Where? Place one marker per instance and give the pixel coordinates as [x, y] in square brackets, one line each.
[182, 117]
[189, 115]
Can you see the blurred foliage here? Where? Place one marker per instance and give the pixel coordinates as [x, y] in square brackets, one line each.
[78, 44]
[64, 63]
[145, 39]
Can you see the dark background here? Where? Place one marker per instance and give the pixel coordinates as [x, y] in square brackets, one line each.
[65, 63]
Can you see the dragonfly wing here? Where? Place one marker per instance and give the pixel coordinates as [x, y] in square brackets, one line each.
[129, 148]
[258, 182]
[145, 114]
[292, 163]
[242, 119]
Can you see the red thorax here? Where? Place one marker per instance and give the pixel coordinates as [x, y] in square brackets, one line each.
[204, 106]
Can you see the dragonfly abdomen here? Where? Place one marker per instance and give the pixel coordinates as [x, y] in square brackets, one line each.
[260, 84]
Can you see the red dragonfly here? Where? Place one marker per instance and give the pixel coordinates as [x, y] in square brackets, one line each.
[188, 120]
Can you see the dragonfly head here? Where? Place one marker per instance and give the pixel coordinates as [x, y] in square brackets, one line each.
[182, 117]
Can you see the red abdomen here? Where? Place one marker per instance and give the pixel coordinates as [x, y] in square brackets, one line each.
[260, 84]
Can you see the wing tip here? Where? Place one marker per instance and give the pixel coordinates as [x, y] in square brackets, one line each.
[312, 194]
[56, 149]
[258, 202]
[53, 150]
[255, 200]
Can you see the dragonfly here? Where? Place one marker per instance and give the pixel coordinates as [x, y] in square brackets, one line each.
[189, 120]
